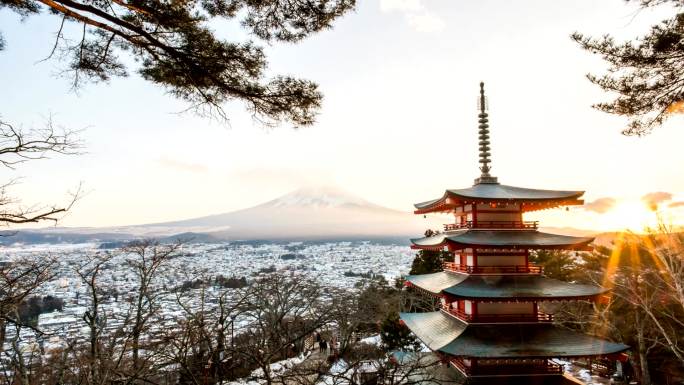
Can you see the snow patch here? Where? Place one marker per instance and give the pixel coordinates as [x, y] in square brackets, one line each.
[372, 340]
[277, 368]
[319, 197]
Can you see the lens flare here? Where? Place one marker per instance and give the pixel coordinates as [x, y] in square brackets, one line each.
[629, 215]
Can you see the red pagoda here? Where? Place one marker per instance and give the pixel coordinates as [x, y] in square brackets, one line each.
[490, 327]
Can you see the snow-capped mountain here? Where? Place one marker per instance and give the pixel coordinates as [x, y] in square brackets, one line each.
[314, 212]
[308, 213]
[319, 197]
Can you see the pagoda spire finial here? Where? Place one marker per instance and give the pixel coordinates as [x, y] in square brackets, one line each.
[484, 141]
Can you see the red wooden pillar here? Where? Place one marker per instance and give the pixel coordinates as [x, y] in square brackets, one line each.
[452, 252]
[474, 211]
[475, 312]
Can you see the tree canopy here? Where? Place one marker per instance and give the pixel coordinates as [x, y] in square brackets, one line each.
[647, 74]
[396, 336]
[428, 261]
[173, 45]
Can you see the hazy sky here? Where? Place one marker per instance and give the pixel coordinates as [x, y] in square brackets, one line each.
[398, 125]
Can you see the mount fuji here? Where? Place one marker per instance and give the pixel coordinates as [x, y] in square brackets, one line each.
[306, 214]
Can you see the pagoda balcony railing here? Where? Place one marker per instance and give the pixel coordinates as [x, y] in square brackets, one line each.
[510, 269]
[496, 318]
[516, 225]
[504, 367]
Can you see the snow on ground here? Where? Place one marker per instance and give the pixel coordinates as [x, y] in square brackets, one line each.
[372, 340]
[277, 368]
[339, 367]
[282, 366]
[583, 374]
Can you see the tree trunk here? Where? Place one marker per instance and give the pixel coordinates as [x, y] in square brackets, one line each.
[643, 357]
[267, 373]
[2, 334]
[139, 319]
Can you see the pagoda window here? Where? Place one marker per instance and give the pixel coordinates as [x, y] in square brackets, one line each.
[468, 307]
[470, 260]
[498, 217]
[463, 259]
[460, 219]
[484, 308]
[502, 260]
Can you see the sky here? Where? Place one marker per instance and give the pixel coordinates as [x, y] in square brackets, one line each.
[398, 123]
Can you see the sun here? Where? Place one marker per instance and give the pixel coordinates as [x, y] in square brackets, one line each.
[630, 215]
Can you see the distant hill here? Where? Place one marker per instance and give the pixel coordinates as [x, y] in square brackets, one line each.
[58, 235]
[571, 231]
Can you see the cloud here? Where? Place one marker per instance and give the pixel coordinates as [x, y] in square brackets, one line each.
[417, 16]
[601, 205]
[675, 204]
[652, 200]
[179, 165]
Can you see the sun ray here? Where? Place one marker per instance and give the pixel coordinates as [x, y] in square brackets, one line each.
[608, 280]
[652, 249]
[634, 254]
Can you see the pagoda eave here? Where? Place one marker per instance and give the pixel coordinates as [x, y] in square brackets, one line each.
[435, 283]
[526, 205]
[530, 199]
[460, 246]
[527, 355]
[501, 239]
[592, 298]
[433, 248]
[521, 288]
[512, 288]
[507, 341]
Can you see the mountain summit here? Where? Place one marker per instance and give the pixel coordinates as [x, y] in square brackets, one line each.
[319, 197]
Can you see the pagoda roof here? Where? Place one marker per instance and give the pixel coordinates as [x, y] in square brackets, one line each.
[521, 287]
[436, 282]
[495, 192]
[435, 329]
[504, 340]
[500, 287]
[533, 239]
